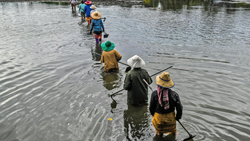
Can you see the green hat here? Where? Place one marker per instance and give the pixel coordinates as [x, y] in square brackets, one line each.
[108, 46]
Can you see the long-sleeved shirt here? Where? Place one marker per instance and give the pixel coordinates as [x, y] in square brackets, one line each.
[110, 59]
[87, 10]
[137, 88]
[174, 102]
[97, 25]
[81, 7]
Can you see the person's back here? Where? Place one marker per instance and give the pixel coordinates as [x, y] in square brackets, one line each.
[97, 25]
[162, 105]
[137, 88]
[173, 102]
[110, 57]
[81, 7]
[110, 60]
[87, 10]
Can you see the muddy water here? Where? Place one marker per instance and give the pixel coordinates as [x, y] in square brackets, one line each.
[53, 88]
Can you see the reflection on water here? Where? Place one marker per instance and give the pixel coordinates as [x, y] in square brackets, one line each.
[111, 80]
[179, 4]
[96, 52]
[136, 122]
[53, 88]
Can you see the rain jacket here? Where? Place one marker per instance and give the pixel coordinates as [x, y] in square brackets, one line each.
[110, 59]
[87, 10]
[97, 25]
[174, 102]
[81, 7]
[137, 88]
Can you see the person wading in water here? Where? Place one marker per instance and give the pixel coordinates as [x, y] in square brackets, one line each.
[81, 9]
[87, 10]
[137, 88]
[97, 24]
[73, 5]
[110, 57]
[162, 105]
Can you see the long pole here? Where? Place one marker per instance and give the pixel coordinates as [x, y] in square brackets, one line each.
[190, 136]
[150, 76]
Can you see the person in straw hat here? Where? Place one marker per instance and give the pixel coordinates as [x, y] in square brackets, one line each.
[162, 105]
[93, 7]
[110, 57]
[137, 88]
[97, 25]
[87, 10]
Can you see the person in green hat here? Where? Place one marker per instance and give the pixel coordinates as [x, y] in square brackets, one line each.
[110, 57]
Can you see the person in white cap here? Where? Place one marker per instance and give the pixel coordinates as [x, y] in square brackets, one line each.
[137, 88]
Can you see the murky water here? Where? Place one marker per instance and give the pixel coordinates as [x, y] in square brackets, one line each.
[53, 88]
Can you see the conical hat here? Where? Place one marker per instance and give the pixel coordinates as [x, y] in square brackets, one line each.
[96, 15]
[135, 62]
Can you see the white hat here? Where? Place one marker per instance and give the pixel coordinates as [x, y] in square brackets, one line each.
[135, 62]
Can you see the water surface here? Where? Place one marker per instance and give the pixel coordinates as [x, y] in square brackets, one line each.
[53, 87]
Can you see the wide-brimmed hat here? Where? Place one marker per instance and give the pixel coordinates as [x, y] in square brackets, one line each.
[107, 46]
[164, 80]
[92, 7]
[88, 2]
[96, 15]
[135, 62]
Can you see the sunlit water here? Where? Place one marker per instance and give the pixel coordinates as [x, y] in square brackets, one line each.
[53, 87]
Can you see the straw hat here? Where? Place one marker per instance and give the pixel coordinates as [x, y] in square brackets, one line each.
[92, 7]
[96, 15]
[108, 46]
[135, 62]
[164, 80]
[88, 2]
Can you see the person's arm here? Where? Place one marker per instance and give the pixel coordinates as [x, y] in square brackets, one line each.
[152, 104]
[102, 26]
[127, 82]
[102, 58]
[85, 8]
[91, 27]
[118, 55]
[178, 105]
[149, 79]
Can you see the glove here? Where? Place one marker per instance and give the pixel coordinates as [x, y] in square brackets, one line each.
[177, 118]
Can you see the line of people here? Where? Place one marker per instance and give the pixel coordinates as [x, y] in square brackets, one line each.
[93, 18]
[164, 101]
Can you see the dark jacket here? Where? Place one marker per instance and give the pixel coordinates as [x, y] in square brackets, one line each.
[137, 89]
[174, 102]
